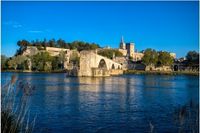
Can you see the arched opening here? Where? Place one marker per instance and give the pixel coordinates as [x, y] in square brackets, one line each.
[113, 66]
[118, 67]
[175, 67]
[102, 64]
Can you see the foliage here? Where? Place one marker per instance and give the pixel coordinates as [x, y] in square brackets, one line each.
[192, 57]
[23, 43]
[164, 59]
[15, 115]
[56, 63]
[109, 53]
[150, 57]
[62, 44]
[17, 62]
[79, 45]
[130, 58]
[4, 62]
[41, 45]
[61, 56]
[74, 58]
[186, 117]
[41, 61]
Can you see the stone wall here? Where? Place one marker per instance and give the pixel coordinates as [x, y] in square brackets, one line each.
[153, 68]
[90, 60]
[96, 72]
[30, 50]
[137, 56]
[116, 72]
[123, 61]
[123, 51]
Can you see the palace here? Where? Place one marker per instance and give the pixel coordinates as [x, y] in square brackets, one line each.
[128, 50]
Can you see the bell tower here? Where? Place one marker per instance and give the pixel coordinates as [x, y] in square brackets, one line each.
[122, 44]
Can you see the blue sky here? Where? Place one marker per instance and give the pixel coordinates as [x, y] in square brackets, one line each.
[170, 26]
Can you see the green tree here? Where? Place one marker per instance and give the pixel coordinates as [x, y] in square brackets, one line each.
[22, 46]
[94, 46]
[165, 59]
[4, 62]
[74, 58]
[192, 57]
[41, 61]
[109, 53]
[52, 43]
[61, 58]
[17, 62]
[150, 57]
[62, 44]
[23, 43]
[79, 45]
[55, 63]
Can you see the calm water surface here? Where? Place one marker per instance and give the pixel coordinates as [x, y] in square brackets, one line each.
[122, 104]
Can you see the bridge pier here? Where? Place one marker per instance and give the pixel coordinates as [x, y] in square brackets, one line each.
[92, 64]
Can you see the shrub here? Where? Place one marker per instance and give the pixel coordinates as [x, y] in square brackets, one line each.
[14, 116]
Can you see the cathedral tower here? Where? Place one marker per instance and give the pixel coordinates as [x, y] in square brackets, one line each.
[122, 44]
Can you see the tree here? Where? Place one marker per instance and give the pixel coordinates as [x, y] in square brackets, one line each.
[41, 61]
[44, 43]
[79, 45]
[109, 53]
[4, 62]
[150, 57]
[94, 46]
[55, 63]
[17, 62]
[165, 59]
[23, 43]
[61, 43]
[61, 58]
[52, 43]
[192, 57]
[74, 58]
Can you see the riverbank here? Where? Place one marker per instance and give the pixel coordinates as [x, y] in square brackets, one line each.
[161, 72]
[125, 72]
[26, 71]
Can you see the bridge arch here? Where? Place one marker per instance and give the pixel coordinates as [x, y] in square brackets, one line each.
[102, 64]
[113, 66]
[119, 67]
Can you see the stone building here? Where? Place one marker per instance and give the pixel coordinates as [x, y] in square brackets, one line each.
[128, 50]
[33, 50]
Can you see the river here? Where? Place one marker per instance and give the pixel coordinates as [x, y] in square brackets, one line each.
[119, 104]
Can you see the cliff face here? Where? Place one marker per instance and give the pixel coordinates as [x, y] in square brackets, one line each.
[30, 50]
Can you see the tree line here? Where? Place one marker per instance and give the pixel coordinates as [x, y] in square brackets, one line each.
[42, 61]
[110, 53]
[163, 58]
[60, 43]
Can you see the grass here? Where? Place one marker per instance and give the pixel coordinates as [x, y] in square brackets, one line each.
[161, 72]
[15, 116]
[186, 117]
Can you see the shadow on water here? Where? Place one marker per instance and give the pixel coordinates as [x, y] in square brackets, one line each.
[128, 103]
[186, 117]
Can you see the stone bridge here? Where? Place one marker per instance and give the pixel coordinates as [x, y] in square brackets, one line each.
[92, 64]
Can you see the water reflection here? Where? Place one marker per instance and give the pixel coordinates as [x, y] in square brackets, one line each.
[111, 104]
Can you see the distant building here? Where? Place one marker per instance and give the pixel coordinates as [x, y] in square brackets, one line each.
[173, 55]
[33, 50]
[128, 50]
[122, 44]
